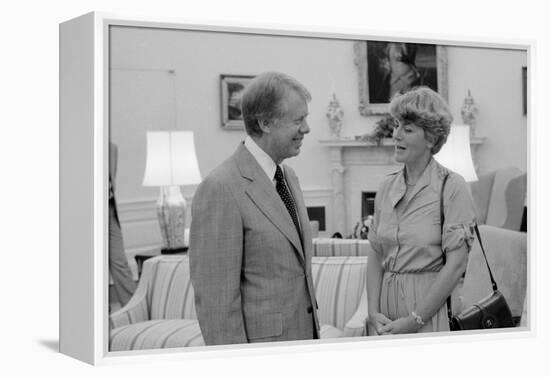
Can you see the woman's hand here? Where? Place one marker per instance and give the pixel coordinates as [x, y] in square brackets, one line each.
[403, 325]
[378, 320]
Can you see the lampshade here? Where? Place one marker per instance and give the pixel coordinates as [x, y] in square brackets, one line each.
[456, 153]
[171, 159]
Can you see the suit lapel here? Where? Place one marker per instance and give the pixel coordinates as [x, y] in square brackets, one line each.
[264, 195]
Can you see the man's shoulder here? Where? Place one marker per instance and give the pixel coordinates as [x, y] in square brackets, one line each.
[223, 173]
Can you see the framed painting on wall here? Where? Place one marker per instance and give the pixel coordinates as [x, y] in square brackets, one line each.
[231, 88]
[387, 68]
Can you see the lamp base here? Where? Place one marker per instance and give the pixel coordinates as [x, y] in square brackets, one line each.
[171, 212]
[179, 250]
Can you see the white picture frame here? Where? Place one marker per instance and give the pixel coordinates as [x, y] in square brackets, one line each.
[84, 117]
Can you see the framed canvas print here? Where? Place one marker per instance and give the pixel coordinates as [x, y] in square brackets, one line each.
[389, 68]
[231, 89]
[179, 238]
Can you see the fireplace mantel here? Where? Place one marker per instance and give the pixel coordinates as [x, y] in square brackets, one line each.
[358, 165]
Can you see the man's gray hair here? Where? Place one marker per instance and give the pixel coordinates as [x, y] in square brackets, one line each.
[263, 99]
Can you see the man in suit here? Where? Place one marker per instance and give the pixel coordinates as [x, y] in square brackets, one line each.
[250, 240]
[123, 281]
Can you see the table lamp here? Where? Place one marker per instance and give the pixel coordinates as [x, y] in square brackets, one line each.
[171, 162]
[456, 153]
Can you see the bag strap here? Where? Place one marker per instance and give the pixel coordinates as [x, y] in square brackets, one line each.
[442, 220]
[493, 282]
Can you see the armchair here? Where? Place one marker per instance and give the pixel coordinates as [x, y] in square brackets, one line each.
[507, 255]
[499, 197]
[161, 313]
[341, 292]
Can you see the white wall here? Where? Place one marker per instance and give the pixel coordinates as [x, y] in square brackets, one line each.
[324, 66]
[494, 78]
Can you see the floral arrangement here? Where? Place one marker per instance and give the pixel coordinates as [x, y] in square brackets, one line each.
[361, 229]
[384, 129]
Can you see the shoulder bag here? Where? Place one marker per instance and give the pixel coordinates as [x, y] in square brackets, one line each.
[490, 312]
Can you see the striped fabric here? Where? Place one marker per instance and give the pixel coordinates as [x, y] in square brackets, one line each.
[332, 247]
[161, 314]
[136, 310]
[340, 285]
[172, 295]
[171, 333]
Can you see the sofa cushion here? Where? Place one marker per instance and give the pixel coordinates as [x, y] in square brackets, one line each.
[156, 334]
[339, 283]
[331, 247]
[171, 292]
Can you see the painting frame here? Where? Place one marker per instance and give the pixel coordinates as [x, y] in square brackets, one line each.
[361, 59]
[231, 86]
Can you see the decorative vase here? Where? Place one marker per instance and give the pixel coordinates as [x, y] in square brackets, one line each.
[335, 115]
[469, 113]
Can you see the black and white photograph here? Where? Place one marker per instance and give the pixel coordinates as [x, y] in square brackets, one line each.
[210, 238]
[330, 189]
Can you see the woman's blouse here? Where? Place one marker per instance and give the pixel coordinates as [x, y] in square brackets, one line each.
[406, 231]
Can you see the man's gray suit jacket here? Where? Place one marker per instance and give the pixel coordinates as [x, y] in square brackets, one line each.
[250, 271]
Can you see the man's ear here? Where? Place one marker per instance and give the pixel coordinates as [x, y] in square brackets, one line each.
[265, 125]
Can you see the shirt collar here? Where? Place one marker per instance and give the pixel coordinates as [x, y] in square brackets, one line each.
[266, 162]
[398, 188]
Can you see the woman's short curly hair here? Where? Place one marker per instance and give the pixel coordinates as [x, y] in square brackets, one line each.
[424, 108]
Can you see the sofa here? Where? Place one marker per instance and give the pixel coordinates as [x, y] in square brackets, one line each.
[161, 313]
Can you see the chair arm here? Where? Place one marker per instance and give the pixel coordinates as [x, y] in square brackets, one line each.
[136, 310]
[507, 254]
[357, 325]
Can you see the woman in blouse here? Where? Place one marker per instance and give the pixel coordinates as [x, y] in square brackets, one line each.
[408, 279]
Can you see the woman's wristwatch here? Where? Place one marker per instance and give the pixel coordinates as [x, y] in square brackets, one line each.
[418, 319]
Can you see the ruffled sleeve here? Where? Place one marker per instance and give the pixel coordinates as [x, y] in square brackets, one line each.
[458, 229]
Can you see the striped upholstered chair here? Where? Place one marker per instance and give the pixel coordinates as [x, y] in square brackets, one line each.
[161, 314]
[335, 247]
[341, 291]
